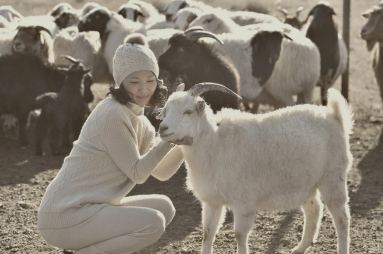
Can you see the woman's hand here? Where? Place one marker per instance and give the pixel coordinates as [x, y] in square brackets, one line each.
[186, 141]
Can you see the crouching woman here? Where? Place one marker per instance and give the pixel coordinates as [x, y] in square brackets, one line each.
[86, 208]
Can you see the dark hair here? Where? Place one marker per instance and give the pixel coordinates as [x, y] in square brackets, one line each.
[158, 99]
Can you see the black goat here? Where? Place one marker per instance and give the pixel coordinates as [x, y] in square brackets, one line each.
[22, 79]
[199, 62]
[324, 33]
[64, 110]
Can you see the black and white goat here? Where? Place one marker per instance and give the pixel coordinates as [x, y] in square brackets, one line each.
[323, 31]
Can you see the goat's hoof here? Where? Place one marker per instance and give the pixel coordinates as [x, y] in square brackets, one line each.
[297, 250]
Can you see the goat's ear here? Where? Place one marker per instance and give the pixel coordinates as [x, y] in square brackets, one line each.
[63, 71]
[122, 12]
[332, 12]
[367, 13]
[285, 35]
[87, 70]
[200, 106]
[311, 12]
[140, 14]
[180, 87]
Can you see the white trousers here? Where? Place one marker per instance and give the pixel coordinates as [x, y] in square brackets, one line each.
[137, 223]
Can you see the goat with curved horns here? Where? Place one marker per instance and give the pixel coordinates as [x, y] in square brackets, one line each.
[275, 161]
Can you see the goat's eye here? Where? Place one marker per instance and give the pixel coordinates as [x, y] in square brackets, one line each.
[207, 21]
[187, 112]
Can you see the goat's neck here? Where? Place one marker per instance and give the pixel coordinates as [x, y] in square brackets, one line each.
[205, 135]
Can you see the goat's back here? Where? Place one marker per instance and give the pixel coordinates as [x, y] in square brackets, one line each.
[272, 160]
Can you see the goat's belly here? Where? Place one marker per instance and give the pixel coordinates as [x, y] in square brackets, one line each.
[282, 201]
[206, 191]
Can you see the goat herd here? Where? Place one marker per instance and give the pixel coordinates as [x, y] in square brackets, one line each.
[49, 62]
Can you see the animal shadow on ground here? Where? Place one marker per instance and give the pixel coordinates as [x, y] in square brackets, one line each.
[370, 191]
[186, 205]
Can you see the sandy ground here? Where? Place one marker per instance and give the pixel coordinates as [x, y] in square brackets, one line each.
[24, 177]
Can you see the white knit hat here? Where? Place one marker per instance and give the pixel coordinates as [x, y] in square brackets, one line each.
[133, 55]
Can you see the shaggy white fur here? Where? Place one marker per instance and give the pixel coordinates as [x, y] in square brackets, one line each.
[275, 161]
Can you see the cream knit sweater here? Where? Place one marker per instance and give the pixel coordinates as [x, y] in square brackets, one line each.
[114, 151]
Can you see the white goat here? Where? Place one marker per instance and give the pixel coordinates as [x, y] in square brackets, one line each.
[280, 160]
[216, 23]
[286, 79]
[240, 17]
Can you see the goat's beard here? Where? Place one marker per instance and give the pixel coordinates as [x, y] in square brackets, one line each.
[187, 141]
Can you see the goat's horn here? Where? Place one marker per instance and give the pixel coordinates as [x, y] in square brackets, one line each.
[299, 10]
[201, 88]
[193, 36]
[72, 59]
[283, 11]
[193, 28]
[157, 111]
[41, 28]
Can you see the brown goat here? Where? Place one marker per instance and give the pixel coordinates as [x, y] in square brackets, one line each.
[292, 19]
[372, 32]
[35, 40]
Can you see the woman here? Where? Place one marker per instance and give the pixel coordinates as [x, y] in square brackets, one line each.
[85, 207]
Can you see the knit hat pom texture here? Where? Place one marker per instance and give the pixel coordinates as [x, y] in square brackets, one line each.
[134, 55]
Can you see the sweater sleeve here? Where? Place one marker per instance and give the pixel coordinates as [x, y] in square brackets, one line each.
[169, 164]
[123, 150]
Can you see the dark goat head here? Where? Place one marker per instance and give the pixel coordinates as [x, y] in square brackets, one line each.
[66, 19]
[95, 20]
[183, 50]
[322, 14]
[267, 46]
[29, 39]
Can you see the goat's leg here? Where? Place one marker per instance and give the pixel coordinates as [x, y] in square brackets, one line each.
[312, 209]
[243, 224]
[58, 125]
[212, 218]
[40, 131]
[76, 127]
[341, 216]
[66, 135]
[22, 117]
[305, 97]
[335, 197]
[323, 92]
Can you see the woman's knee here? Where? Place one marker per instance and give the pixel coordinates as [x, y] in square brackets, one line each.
[156, 226]
[167, 209]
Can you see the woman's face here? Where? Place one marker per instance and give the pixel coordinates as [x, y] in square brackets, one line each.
[140, 86]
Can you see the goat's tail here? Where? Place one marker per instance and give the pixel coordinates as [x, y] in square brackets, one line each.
[340, 110]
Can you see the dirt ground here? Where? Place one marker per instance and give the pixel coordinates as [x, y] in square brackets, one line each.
[24, 177]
